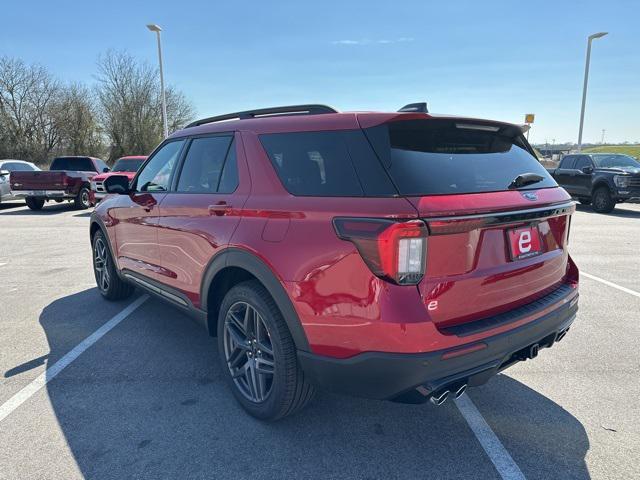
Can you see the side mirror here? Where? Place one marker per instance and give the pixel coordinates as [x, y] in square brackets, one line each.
[117, 184]
[4, 173]
[105, 169]
[587, 170]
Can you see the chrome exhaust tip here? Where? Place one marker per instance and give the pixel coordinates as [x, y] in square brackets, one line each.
[460, 391]
[439, 398]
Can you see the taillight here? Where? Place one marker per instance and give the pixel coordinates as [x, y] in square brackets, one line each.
[392, 249]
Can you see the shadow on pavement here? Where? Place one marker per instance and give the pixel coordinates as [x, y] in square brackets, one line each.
[50, 208]
[148, 401]
[617, 212]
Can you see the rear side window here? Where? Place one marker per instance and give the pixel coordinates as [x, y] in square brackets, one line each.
[81, 164]
[567, 162]
[583, 161]
[203, 164]
[327, 164]
[431, 157]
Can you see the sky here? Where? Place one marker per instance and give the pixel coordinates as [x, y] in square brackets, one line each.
[487, 59]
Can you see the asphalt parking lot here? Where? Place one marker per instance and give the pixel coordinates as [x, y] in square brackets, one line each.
[147, 400]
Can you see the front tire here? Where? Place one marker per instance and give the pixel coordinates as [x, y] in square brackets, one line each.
[258, 355]
[109, 283]
[602, 201]
[34, 203]
[82, 200]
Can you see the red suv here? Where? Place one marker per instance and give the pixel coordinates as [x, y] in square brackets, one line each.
[400, 256]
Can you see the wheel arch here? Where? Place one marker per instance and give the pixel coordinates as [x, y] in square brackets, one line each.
[234, 265]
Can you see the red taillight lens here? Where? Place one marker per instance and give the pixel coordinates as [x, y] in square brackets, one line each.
[393, 250]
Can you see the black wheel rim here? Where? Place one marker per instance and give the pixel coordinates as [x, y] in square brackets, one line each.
[601, 201]
[248, 352]
[101, 264]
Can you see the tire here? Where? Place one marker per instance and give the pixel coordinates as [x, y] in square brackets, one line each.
[285, 390]
[585, 201]
[34, 203]
[82, 202]
[109, 283]
[602, 201]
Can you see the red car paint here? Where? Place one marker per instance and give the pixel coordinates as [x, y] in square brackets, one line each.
[344, 309]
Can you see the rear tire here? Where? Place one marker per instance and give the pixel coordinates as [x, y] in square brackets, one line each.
[109, 283]
[258, 348]
[34, 203]
[602, 201]
[82, 201]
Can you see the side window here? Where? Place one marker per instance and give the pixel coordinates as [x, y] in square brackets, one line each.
[101, 165]
[313, 163]
[567, 162]
[203, 165]
[156, 174]
[229, 180]
[582, 161]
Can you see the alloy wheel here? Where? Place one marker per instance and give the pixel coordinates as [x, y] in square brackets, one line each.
[249, 352]
[101, 264]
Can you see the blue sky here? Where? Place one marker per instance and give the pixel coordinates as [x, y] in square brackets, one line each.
[480, 58]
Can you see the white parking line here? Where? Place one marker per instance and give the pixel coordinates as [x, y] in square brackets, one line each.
[611, 284]
[53, 370]
[507, 468]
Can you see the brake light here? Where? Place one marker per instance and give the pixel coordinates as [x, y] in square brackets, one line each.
[392, 250]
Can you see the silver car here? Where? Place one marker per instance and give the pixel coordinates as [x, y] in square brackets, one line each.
[6, 167]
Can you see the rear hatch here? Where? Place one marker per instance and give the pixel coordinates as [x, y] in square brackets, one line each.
[498, 223]
[40, 180]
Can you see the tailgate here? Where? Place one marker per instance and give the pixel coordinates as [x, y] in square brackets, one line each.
[40, 180]
[483, 264]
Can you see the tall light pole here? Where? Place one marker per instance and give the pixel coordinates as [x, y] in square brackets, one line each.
[157, 29]
[586, 80]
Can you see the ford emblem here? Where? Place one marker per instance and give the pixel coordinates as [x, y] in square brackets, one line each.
[533, 196]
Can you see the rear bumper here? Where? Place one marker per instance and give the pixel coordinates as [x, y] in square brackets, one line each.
[396, 376]
[42, 193]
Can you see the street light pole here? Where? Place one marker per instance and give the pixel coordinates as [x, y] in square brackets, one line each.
[157, 29]
[584, 87]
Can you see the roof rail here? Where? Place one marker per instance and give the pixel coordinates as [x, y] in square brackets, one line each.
[415, 107]
[312, 109]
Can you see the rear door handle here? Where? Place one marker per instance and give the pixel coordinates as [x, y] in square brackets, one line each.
[219, 208]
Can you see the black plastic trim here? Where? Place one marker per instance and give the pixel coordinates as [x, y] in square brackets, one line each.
[311, 109]
[235, 257]
[382, 375]
[482, 325]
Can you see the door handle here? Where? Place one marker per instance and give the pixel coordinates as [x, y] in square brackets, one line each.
[219, 209]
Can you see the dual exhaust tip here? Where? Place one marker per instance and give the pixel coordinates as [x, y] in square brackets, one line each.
[441, 396]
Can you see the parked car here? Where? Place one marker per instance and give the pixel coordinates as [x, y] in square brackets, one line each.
[400, 256]
[68, 178]
[124, 166]
[8, 166]
[600, 179]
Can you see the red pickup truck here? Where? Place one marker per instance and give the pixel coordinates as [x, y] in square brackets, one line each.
[68, 178]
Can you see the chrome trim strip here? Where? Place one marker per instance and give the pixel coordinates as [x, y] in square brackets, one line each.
[506, 217]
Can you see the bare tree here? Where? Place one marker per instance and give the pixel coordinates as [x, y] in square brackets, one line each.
[77, 121]
[27, 107]
[129, 97]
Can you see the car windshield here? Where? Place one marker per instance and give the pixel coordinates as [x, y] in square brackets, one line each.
[127, 165]
[608, 160]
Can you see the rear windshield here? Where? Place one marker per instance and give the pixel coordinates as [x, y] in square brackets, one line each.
[81, 164]
[430, 157]
[127, 165]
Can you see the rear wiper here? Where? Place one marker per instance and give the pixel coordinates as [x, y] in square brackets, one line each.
[525, 179]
